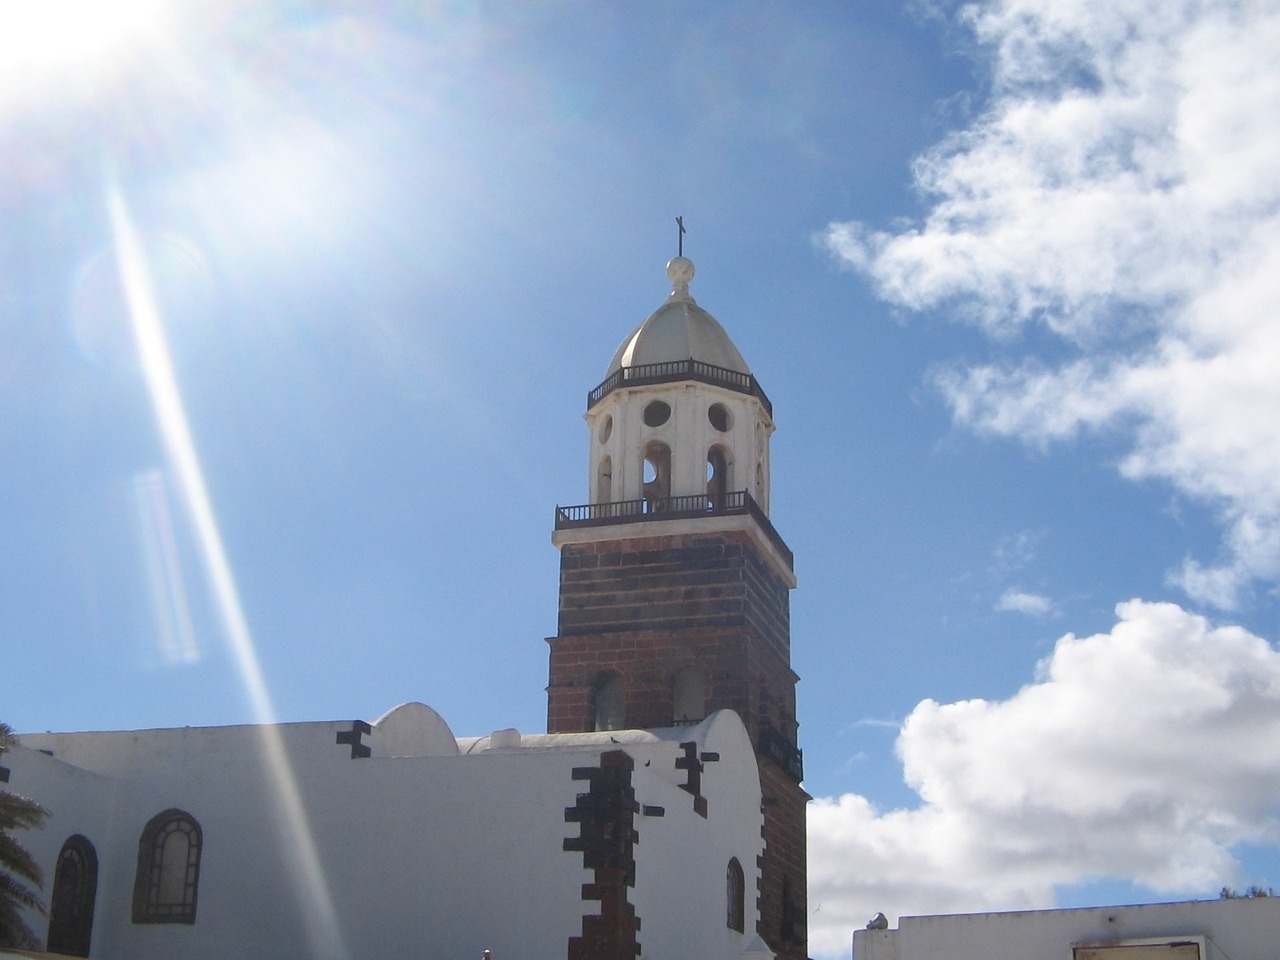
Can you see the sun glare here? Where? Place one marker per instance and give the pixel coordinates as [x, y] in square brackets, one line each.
[45, 35]
[158, 371]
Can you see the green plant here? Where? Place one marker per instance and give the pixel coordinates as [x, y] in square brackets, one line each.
[20, 875]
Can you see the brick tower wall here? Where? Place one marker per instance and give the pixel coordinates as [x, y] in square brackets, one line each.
[645, 608]
[784, 874]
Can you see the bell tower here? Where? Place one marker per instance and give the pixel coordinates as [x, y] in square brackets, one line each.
[674, 585]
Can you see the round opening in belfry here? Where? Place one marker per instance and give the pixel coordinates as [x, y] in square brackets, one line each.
[657, 413]
[718, 414]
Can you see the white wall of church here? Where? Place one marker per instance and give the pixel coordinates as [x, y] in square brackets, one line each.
[79, 801]
[693, 894]
[443, 854]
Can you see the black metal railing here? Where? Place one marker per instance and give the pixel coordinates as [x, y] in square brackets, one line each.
[671, 508]
[649, 373]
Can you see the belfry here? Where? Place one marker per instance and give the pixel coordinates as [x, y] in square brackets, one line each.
[674, 585]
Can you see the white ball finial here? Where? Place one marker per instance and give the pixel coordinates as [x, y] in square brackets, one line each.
[680, 272]
[680, 269]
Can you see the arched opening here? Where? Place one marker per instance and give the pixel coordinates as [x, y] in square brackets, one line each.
[656, 478]
[604, 481]
[164, 888]
[718, 479]
[688, 697]
[736, 896]
[75, 886]
[610, 703]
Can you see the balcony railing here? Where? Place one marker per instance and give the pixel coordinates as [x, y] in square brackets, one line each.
[671, 508]
[650, 373]
[773, 743]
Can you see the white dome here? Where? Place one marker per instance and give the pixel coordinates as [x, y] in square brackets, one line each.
[679, 330]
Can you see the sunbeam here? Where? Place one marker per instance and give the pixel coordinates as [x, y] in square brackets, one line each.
[166, 401]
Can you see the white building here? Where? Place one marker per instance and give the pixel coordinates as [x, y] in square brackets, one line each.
[183, 843]
[1243, 928]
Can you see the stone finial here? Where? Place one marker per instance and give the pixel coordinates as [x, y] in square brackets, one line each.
[680, 272]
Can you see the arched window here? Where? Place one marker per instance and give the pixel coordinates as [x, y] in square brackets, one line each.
[604, 481]
[688, 697]
[610, 703]
[75, 886]
[736, 896]
[164, 889]
[657, 472]
[718, 479]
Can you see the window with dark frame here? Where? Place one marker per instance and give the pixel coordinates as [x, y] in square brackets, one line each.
[75, 888]
[736, 894]
[164, 889]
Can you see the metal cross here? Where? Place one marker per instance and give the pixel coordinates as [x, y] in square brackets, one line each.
[680, 244]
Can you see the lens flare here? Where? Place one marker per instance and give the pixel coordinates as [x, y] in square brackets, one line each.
[174, 633]
[57, 34]
[157, 367]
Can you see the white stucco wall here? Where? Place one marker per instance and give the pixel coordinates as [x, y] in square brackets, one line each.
[429, 852]
[684, 894]
[79, 802]
[1237, 929]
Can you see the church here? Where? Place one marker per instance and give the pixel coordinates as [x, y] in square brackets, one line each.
[661, 814]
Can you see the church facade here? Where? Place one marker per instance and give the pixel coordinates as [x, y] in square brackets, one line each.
[395, 839]
[661, 815]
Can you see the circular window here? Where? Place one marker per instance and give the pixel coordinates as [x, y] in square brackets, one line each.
[718, 414]
[657, 413]
[606, 429]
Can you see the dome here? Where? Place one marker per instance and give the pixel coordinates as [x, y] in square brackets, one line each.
[679, 330]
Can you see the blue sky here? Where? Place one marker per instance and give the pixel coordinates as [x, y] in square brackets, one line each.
[1005, 270]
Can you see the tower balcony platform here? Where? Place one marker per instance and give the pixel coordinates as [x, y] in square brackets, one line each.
[738, 503]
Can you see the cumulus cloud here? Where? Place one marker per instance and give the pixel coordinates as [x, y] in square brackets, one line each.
[1020, 601]
[1120, 191]
[1147, 753]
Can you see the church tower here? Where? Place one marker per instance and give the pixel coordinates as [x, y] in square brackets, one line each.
[674, 585]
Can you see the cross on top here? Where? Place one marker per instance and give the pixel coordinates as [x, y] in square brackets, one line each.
[680, 239]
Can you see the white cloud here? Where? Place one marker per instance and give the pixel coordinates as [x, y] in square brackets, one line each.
[1020, 601]
[1146, 753]
[1014, 552]
[1121, 191]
